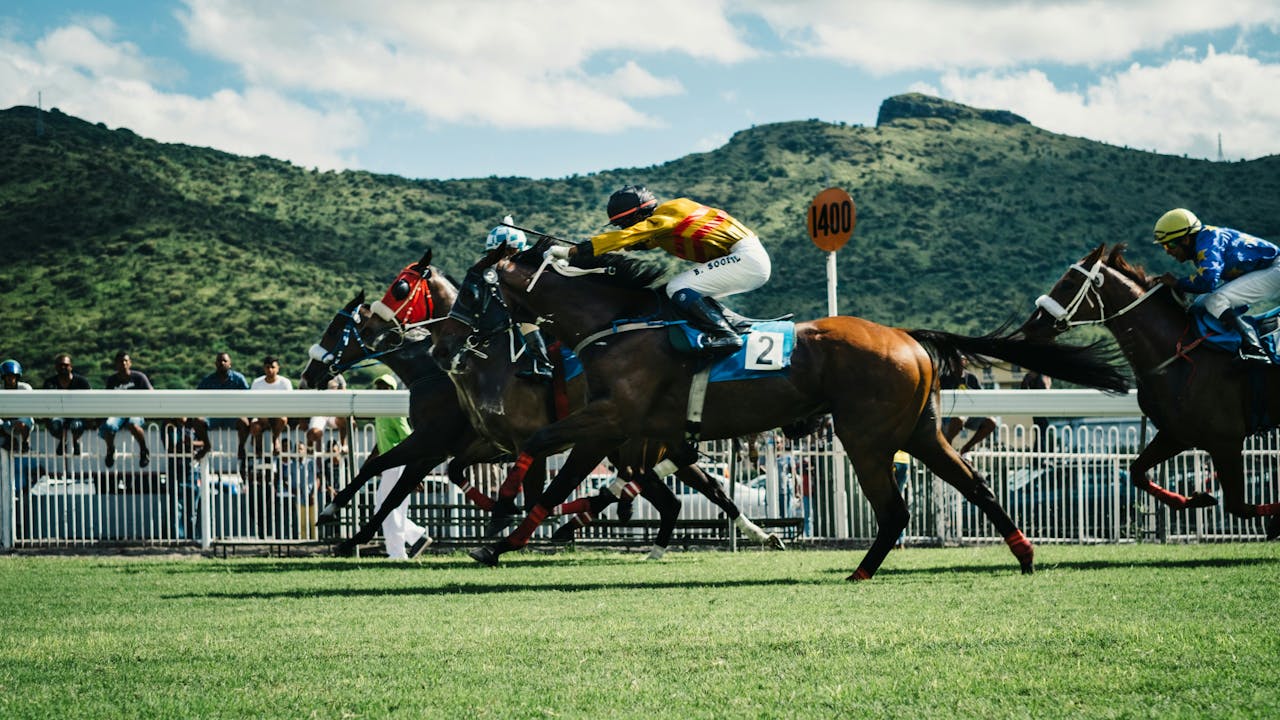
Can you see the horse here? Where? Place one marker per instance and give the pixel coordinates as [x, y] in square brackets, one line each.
[1197, 396]
[482, 419]
[879, 384]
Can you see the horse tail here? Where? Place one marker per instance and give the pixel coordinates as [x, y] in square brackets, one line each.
[1094, 365]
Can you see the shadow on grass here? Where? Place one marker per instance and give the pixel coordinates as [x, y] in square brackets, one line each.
[382, 564]
[486, 589]
[1118, 564]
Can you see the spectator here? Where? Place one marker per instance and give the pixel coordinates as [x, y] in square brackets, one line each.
[317, 425]
[1034, 380]
[222, 378]
[271, 379]
[981, 426]
[397, 529]
[804, 491]
[65, 378]
[125, 378]
[15, 433]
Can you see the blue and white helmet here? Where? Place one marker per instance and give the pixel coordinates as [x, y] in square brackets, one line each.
[503, 235]
[11, 367]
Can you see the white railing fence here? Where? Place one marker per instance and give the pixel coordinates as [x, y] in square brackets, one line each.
[1070, 485]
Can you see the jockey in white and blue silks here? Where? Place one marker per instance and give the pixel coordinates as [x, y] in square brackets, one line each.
[1233, 270]
[514, 239]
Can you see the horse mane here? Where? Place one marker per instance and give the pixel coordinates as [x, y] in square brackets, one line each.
[1116, 261]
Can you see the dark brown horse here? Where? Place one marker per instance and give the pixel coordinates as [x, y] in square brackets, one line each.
[879, 384]
[1196, 395]
[484, 418]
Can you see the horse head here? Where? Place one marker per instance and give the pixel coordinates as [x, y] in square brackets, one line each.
[341, 338]
[420, 293]
[1097, 289]
[479, 316]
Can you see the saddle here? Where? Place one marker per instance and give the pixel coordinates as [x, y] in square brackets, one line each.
[1225, 337]
[684, 331]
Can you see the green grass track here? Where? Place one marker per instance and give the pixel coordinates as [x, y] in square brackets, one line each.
[1149, 631]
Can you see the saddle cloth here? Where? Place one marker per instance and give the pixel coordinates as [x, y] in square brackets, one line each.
[766, 349]
[1218, 334]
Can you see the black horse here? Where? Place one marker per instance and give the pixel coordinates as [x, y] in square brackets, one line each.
[1196, 395]
[880, 385]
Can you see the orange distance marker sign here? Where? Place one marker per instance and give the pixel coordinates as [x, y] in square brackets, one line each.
[832, 216]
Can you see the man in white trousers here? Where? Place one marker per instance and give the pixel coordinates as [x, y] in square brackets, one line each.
[400, 532]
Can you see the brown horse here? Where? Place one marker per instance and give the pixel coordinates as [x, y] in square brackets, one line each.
[879, 384]
[1196, 395]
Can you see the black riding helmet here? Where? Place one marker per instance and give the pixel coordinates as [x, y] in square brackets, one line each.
[630, 205]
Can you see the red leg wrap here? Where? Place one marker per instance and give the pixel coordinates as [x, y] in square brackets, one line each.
[574, 506]
[631, 489]
[515, 476]
[521, 536]
[479, 499]
[1020, 546]
[1168, 497]
[1268, 509]
[582, 519]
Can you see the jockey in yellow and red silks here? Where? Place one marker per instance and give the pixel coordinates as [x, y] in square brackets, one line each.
[730, 258]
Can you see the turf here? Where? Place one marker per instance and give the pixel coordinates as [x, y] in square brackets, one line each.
[1102, 631]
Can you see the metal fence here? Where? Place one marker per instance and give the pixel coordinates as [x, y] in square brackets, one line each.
[1070, 485]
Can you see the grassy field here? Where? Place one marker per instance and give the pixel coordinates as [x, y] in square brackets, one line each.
[1107, 631]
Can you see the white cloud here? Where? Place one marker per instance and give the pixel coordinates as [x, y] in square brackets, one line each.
[1178, 107]
[946, 35]
[83, 74]
[505, 63]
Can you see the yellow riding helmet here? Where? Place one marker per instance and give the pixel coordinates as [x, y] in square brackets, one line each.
[1175, 225]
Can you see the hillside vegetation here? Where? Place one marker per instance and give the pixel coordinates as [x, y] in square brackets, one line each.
[112, 241]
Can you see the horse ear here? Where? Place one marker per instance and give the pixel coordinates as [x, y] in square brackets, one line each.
[426, 259]
[1095, 255]
[360, 297]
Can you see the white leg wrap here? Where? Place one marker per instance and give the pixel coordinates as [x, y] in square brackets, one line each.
[665, 468]
[750, 529]
[657, 552]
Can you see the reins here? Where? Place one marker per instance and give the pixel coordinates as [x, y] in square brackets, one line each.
[1088, 291]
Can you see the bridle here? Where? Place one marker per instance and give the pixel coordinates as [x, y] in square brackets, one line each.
[1093, 278]
[350, 336]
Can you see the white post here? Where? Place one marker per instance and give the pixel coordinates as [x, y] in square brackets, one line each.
[206, 503]
[841, 483]
[831, 285]
[6, 500]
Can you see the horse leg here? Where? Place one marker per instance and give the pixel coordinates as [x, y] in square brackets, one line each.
[1162, 447]
[399, 455]
[1230, 466]
[693, 476]
[457, 476]
[667, 504]
[874, 469]
[408, 482]
[929, 446]
[581, 460]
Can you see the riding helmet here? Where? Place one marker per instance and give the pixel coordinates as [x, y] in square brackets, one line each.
[503, 235]
[11, 367]
[630, 205]
[1175, 225]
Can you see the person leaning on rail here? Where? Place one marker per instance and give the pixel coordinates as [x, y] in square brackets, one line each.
[1233, 271]
[730, 258]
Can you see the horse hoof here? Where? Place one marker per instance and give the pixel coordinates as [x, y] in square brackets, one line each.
[345, 549]
[775, 542]
[1028, 568]
[1273, 527]
[499, 524]
[564, 533]
[485, 555]
[858, 576]
[1200, 500]
[323, 519]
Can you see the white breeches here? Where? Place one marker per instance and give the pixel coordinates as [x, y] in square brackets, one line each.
[1255, 287]
[398, 529]
[745, 268]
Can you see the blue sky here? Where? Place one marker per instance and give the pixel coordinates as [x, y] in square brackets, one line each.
[472, 88]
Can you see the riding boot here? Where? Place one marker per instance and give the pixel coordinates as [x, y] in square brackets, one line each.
[718, 335]
[539, 363]
[1250, 345]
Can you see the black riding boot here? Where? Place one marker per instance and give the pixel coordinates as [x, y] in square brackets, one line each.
[1250, 345]
[718, 335]
[539, 363]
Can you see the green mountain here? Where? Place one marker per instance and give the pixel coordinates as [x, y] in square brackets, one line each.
[113, 241]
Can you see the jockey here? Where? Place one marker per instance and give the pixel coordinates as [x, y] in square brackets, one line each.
[730, 258]
[1233, 270]
[540, 365]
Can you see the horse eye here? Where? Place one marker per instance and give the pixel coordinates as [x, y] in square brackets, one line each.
[400, 290]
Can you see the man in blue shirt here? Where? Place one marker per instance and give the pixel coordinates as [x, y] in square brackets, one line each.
[222, 378]
[1233, 271]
